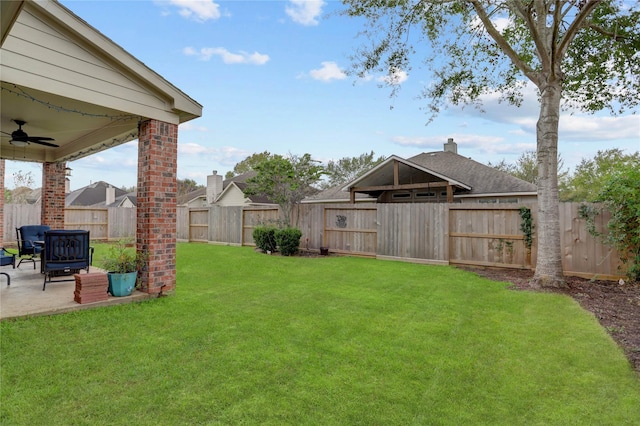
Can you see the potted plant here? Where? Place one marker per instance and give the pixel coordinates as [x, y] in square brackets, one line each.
[122, 264]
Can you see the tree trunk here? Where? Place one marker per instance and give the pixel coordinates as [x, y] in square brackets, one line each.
[549, 263]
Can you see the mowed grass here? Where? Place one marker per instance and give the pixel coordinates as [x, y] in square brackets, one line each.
[256, 339]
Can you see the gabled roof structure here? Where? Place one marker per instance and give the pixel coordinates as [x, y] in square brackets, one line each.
[95, 195]
[70, 82]
[238, 183]
[428, 175]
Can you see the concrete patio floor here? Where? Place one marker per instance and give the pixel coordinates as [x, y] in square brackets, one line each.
[24, 297]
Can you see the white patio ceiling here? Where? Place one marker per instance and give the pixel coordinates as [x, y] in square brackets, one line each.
[69, 82]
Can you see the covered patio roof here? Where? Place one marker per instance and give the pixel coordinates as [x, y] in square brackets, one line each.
[69, 82]
[64, 81]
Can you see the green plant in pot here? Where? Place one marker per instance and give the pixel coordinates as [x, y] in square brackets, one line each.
[122, 263]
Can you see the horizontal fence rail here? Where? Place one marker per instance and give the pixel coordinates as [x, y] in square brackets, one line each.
[438, 233]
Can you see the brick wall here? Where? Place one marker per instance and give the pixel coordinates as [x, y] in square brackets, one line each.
[53, 194]
[156, 212]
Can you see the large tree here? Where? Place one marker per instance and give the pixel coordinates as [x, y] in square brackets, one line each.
[248, 164]
[526, 168]
[580, 52]
[591, 175]
[347, 169]
[186, 186]
[285, 180]
[23, 188]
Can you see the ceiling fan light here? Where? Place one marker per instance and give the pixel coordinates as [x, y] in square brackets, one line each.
[18, 143]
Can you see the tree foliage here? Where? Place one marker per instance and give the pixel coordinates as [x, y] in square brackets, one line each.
[590, 175]
[248, 164]
[22, 188]
[582, 54]
[285, 180]
[526, 168]
[186, 186]
[347, 169]
[620, 195]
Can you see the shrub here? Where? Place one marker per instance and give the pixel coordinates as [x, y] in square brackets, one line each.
[620, 194]
[288, 240]
[264, 237]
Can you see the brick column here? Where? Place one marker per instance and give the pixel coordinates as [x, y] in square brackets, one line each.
[2, 202]
[156, 211]
[53, 184]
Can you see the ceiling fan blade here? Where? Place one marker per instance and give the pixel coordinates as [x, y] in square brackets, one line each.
[53, 145]
[38, 138]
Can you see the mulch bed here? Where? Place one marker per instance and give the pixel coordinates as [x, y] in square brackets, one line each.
[616, 306]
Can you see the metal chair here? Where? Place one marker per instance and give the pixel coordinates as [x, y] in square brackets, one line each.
[7, 258]
[30, 242]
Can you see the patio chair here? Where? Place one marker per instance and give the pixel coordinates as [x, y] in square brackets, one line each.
[7, 258]
[65, 252]
[30, 238]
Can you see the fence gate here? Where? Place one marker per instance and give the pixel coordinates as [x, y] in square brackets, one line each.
[199, 225]
[487, 236]
[351, 230]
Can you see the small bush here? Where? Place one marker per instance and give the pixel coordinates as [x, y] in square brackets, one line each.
[264, 237]
[288, 240]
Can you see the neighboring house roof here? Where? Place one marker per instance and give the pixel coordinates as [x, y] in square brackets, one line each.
[243, 177]
[382, 173]
[481, 178]
[122, 200]
[190, 196]
[95, 195]
[239, 181]
[469, 177]
[258, 199]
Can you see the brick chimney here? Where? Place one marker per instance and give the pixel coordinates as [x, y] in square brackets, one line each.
[451, 146]
[214, 187]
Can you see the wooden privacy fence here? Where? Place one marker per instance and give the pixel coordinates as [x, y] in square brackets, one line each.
[481, 235]
[466, 234]
[103, 223]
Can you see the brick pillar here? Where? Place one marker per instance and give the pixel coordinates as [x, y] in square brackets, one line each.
[2, 202]
[53, 184]
[156, 211]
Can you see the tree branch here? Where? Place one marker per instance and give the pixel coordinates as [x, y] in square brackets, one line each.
[614, 36]
[576, 25]
[504, 45]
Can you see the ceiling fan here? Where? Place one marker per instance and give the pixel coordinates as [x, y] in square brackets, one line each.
[20, 138]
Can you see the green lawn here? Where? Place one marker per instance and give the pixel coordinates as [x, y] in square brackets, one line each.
[256, 339]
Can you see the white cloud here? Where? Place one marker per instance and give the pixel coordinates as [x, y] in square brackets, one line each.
[329, 71]
[590, 127]
[197, 10]
[205, 54]
[305, 12]
[394, 78]
[191, 148]
[573, 127]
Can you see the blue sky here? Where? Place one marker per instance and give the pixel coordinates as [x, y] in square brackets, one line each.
[270, 76]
